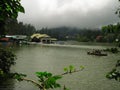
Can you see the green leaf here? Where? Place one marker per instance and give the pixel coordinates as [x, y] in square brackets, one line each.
[21, 9]
[71, 68]
[81, 67]
[51, 82]
[66, 69]
[19, 76]
[57, 77]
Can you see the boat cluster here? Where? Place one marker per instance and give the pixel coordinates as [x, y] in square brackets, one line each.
[97, 53]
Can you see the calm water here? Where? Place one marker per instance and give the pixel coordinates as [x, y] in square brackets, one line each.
[53, 59]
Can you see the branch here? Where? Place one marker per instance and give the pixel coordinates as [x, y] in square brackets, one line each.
[71, 72]
[32, 81]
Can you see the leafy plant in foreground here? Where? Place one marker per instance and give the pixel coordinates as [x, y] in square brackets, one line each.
[115, 73]
[47, 80]
[7, 59]
[113, 50]
[9, 9]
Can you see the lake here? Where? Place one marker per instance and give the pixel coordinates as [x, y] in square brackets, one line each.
[34, 58]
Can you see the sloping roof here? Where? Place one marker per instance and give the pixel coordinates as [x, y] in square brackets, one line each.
[39, 35]
[16, 36]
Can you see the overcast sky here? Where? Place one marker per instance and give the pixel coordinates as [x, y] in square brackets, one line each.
[73, 13]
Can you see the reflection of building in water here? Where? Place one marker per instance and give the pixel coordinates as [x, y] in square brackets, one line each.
[43, 38]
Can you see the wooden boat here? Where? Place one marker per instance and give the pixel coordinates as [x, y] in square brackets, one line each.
[97, 54]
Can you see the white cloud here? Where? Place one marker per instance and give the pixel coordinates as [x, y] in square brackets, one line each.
[64, 5]
[80, 13]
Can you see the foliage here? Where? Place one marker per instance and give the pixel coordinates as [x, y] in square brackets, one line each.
[82, 39]
[7, 59]
[118, 63]
[115, 73]
[19, 28]
[9, 9]
[113, 50]
[5, 76]
[111, 32]
[71, 69]
[1, 74]
[47, 80]
[118, 10]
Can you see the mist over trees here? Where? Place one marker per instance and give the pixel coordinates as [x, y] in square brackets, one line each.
[68, 33]
[107, 33]
[13, 27]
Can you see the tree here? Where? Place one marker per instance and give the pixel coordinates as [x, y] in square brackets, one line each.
[115, 72]
[118, 10]
[9, 9]
[19, 28]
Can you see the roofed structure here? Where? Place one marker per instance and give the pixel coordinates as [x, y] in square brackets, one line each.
[40, 36]
[43, 38]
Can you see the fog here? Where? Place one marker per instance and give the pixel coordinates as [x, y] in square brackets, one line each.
[72, 13]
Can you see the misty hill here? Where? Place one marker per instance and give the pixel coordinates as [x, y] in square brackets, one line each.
[68, 33]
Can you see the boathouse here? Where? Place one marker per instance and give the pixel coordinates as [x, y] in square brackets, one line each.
[43, 38]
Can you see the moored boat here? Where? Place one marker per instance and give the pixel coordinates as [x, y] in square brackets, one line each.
[97, 53]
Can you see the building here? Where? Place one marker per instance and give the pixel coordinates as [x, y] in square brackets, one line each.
[10, 40]
[43, 38]
[17, 37]
[6, 41]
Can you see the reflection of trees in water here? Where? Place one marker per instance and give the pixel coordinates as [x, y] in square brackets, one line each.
[7, 84]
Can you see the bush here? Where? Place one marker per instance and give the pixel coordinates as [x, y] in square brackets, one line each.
[115, 73]
[113, 50]
[7, 59]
